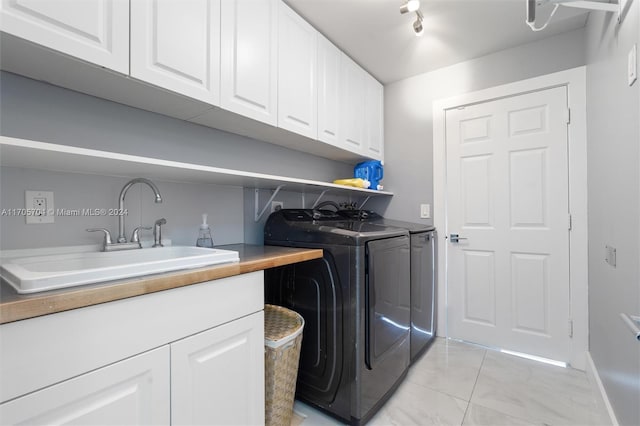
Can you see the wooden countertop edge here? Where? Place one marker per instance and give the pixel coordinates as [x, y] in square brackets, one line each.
[82, 297]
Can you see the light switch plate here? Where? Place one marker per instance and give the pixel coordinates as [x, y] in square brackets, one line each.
[38, 207]
[425, 211]
[610, 255]
[633, 65]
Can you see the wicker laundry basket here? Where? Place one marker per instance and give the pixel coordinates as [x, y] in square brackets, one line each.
[282, 339]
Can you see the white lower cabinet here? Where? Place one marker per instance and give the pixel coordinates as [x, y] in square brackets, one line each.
[217, 375]
[134, 391]
[189, 355]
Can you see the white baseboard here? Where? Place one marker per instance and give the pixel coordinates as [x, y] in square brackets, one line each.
[594, 379]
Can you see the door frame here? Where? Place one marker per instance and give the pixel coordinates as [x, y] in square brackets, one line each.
[575, 81]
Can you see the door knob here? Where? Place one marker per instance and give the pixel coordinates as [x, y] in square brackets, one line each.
[455, 238]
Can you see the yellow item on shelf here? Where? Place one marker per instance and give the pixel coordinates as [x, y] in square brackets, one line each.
[357, 182]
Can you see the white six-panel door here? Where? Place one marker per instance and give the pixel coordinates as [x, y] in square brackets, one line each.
[507, 195]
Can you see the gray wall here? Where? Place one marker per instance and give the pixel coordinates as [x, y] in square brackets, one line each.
[35, 110]
[408, 112]
[291, 200]
[182, 206]
[613, 114]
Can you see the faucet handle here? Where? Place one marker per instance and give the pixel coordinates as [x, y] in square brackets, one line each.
[157, 232]
[135, 236]
[107, 234]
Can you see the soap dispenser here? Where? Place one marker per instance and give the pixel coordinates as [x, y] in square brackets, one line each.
[204, 235]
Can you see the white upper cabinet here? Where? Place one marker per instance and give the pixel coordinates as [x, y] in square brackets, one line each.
[328, 91]
[272, 74]
[374, 119]
[249, 58]
[352, 83]
[297, 78]
[96, 31]
[176, 45]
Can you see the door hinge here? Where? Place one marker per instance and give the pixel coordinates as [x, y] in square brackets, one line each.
[570, 224]
[568, 115]
[570, 328]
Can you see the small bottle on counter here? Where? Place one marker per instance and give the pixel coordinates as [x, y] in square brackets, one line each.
[204, 234]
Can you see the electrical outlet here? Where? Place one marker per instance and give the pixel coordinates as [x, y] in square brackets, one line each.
[38, 207]
[425, 211]
[276, 205]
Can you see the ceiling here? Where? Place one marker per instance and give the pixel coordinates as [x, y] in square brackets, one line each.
[381, 40]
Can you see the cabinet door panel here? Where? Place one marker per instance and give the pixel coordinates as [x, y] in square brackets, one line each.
[297, 79]
[328, 91]
[96, 31]
[217, 376]
[130, 392]
[353, 97]
[374, 111]
[249, 58]
[176, 45]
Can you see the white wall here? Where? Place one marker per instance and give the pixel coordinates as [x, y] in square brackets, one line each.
[408, 112]
[613, 114]
[36, 110]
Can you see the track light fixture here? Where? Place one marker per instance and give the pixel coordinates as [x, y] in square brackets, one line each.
[410, 6]
[417, 25]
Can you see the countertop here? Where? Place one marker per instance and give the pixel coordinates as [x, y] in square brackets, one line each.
[15, 307]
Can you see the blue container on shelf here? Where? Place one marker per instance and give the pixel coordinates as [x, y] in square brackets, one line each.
[370, 170]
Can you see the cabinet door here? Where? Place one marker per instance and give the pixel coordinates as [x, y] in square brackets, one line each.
[217, 376]
[352, 81]
[297, 78]
[249, 58]
[328, 91]
[374, 119]
[130, 392]
[176, 45]
[96, 31]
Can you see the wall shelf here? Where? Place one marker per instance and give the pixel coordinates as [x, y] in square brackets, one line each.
[62, 158]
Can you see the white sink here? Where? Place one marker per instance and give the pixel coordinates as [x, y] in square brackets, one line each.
[30, 271]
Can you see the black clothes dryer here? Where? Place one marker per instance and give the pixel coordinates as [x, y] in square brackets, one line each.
[356, 307]
[423, 282]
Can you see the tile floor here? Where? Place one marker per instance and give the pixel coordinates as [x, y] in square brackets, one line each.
[460, 384]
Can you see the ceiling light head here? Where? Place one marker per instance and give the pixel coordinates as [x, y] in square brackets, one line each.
[417, 25]
[410, 6]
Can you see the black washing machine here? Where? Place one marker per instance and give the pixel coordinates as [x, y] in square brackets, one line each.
[356, 306]
[423, 282]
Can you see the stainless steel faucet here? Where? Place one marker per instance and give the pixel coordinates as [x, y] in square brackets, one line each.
[121, 237]
[121, 243]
